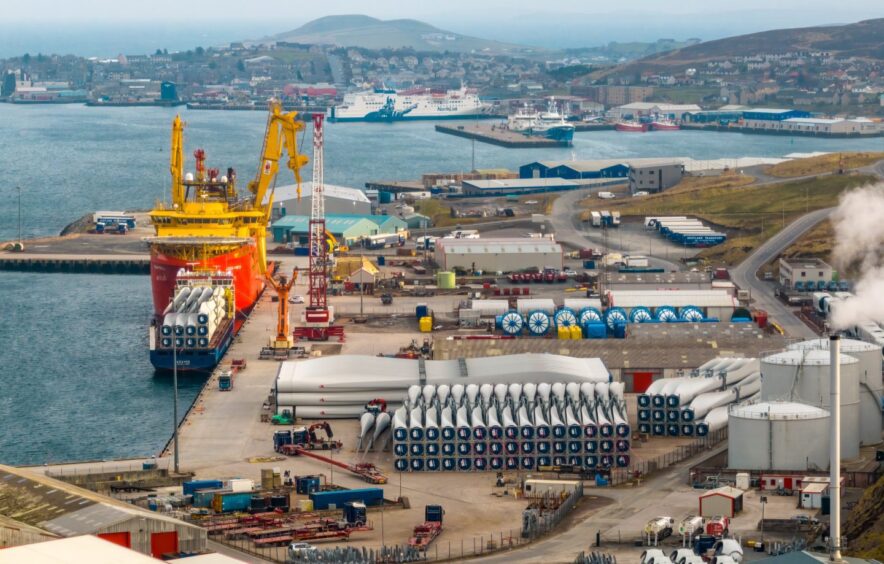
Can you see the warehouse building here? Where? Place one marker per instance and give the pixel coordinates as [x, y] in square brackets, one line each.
[804, 273]
[516, 186]
[637, 110]
[69, 511]
[655, 177]
[575, 170]
[498, 255]
[347, 229]
[338, 200]
[726, 501]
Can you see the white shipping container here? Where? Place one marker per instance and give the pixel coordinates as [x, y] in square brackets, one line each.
[240, 485]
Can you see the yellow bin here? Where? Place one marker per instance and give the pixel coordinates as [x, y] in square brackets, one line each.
[305, 505]
[564, 332]
[576, 333]
[445, 280]
[426, 324]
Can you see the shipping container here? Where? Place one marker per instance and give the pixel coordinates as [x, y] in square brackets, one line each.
[232, 501]
[193, 486]
[337, 499]
[204, 498]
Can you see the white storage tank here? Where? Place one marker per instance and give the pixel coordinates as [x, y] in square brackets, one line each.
[778, 436]
[803, 376]
[871, 388]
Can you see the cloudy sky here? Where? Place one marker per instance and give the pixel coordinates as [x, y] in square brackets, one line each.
[108, 27]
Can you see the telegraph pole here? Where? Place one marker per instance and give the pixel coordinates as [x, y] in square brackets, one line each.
[175, 406]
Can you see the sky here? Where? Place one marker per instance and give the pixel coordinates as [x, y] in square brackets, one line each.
[108, 27]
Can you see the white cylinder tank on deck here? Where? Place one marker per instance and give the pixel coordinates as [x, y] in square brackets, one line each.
[871, 389]
[778, 436]
[803, 376]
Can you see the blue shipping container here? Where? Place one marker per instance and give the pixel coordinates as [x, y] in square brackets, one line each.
[191, 487]
[422, 310]
[232, 501]
[368, 496]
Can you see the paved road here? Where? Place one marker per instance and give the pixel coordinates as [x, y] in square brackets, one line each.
[565, 546]
[565, 221]
[745, 277]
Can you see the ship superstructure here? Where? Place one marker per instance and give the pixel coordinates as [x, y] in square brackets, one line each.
[550, 123]
[384, 104]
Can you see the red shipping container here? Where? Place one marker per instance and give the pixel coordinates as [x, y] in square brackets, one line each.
[641, 381]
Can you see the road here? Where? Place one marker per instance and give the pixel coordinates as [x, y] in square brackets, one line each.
[565, 221]
[627, 502]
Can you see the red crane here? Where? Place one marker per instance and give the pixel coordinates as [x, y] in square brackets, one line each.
[317, 317]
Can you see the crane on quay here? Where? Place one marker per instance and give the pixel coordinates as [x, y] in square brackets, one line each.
[318, 317]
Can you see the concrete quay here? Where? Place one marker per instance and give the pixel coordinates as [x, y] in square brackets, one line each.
[500, 136]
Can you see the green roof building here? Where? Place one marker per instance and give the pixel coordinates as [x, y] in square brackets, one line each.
[347, 229]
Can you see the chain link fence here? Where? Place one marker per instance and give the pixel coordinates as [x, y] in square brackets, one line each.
[642, 468]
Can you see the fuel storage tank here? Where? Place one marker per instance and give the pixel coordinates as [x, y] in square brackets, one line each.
[778, 435]
[871, 389]
[803, 376]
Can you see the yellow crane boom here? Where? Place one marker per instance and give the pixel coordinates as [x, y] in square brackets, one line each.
[176, 162]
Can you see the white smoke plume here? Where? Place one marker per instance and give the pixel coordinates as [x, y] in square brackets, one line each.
[859, 240]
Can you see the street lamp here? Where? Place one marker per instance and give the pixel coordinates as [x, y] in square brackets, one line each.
[763, 501]
[175, 405]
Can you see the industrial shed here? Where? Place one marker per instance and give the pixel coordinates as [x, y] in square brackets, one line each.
[514, 186]
[725, 501]
[498, 255]
[347, 229]
[574, 170]
[338, 200]
[69, 511]
[85, 548]
[715, 303]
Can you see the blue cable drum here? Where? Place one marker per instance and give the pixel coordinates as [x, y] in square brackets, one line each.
[589, 315]
[498, 321]
[691, 313]
[512, 323]
[538, 323]
[640, 314]
[615, 316]
[565, 317]
[666, 314]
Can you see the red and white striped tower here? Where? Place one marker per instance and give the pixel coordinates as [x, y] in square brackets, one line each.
[317, 314]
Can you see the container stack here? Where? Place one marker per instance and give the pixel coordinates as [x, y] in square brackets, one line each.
[192, 317]
[493, 427]
[697, 404]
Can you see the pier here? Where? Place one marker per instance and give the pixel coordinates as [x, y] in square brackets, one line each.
[75, 264]
[500, 136]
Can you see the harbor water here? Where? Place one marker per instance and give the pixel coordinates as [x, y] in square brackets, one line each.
[76, 380]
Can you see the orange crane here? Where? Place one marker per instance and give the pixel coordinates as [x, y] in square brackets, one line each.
[283, 339]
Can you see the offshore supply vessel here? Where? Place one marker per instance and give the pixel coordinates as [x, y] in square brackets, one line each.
[211, 236]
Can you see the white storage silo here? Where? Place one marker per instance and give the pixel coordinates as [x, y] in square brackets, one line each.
[803, 376]
[871, 388]
[778, 435]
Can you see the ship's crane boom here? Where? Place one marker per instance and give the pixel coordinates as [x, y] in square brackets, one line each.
[281, 133]
[176, 162]
[283, 287]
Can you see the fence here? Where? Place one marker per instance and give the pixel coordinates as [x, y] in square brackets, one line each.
[641, 468]
[534, 525]
[105, 466]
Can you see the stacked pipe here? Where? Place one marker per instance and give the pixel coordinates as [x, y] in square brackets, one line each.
[696, 405]
[492, 427]
[193, 315]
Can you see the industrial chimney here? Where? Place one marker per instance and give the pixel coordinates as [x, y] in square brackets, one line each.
[835, 450]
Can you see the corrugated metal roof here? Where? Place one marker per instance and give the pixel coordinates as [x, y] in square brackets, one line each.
[338, 223]
[500, 184]
[675, 298]
[290, 192]
[497, 246]
[726, 491]
[87, 520]
[74, 550]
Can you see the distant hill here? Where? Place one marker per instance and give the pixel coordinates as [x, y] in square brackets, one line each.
[372, 33]
[863, 39]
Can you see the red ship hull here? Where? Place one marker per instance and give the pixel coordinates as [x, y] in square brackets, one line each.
[241, 261]
[657, 126]
[631, 127]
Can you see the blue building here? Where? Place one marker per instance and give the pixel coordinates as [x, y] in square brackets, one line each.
[773, 114]
[575, 170]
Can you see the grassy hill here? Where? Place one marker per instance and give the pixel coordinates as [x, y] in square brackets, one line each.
[372, 33]
[863, 39]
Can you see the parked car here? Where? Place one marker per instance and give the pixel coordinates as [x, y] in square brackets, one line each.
[301, 549]
[569, 272]
[640, 193]
[296, 299]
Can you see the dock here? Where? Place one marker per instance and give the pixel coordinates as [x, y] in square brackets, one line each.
[500, 136]
[75, 264]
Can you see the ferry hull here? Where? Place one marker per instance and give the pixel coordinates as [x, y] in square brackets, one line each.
[406, 117]
[242, 262]
[631, 128]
